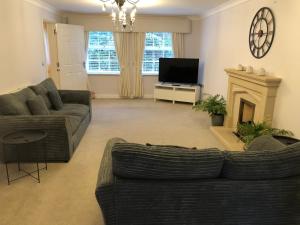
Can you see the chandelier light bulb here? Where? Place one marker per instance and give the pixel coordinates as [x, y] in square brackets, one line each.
[114, 16]
[133, 12]
[120, 16]
[104, 7]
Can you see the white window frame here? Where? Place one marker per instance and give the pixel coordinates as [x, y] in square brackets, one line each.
[91, 72]
[155, 73]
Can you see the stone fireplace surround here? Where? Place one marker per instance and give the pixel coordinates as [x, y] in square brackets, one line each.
[244, 87]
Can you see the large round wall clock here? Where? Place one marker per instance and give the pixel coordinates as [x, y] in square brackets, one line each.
[262, 32]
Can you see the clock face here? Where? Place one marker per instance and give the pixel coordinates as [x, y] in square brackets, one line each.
[262, 32]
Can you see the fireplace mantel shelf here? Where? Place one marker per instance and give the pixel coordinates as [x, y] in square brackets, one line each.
[265, 80]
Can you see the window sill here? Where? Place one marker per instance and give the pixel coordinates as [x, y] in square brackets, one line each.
[103, 74]
[149, 74]
[118, 74]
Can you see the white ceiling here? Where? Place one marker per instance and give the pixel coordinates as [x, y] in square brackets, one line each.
[155, 7]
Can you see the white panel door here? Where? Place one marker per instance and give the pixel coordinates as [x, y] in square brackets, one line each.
[71, 57]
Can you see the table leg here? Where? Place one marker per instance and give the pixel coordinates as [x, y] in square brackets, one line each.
[7, 175]
[45, 154]
[38, 172]
[18, 156]
[6, 167]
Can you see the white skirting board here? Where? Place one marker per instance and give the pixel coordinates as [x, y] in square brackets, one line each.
[114, 96]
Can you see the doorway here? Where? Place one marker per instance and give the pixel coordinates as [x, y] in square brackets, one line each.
[51, 52]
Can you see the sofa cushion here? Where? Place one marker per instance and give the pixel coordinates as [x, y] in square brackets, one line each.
[55, 100]
[15, 103]
[72, 110]
[43, 88]
[37, 106]
[150, 162]
[265, 142]
[260, 165]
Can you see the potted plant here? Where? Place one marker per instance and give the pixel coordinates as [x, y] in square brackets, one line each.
[216, 108]
[247, 132]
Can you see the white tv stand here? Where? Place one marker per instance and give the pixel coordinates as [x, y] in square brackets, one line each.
[177, 92]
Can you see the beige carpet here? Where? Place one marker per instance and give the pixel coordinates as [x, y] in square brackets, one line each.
[65, 195]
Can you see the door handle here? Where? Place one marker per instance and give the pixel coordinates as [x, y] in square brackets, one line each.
[57, 65]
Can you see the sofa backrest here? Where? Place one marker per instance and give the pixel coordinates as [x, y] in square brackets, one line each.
[43, 88]
[15, 103]
[158, 162]
[261, 165]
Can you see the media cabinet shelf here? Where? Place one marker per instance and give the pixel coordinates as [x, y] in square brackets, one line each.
[177, 93]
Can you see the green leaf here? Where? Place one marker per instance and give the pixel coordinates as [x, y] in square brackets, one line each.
[214, 105]
[249, 131]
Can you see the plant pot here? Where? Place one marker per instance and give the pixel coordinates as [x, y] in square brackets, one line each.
[217, 120]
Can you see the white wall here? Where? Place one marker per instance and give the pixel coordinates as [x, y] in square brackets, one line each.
[106, 86]
[224, 43]
[21, 42]
[192, 40]
[144, 23]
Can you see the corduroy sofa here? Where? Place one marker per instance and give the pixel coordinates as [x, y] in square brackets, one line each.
[65, 127]
[168, 185]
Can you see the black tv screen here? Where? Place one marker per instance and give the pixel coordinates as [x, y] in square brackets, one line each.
[179, 71]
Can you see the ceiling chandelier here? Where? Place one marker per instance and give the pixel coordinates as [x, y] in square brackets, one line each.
[119, 9]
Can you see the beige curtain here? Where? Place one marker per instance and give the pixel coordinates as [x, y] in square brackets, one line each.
[123, 47]
[138, 56]
[178, 45]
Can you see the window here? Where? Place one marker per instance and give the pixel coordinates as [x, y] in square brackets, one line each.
[102, 57]
[157, 45]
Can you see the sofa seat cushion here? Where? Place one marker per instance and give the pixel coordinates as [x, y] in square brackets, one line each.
[72, 110]
[260, 165]
[43, 88]
[16, 103]
[74, 122]
[265, 142]
[150, 162]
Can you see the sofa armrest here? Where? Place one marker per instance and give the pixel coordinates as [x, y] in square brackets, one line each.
[75, 96]
[58, 128]
[105, 175]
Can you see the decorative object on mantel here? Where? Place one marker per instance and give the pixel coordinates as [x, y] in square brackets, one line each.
[261, 72]
[262, 32]
[247, 132]
[119, 9]
[216, 108]
[240, 67]
[249, 69]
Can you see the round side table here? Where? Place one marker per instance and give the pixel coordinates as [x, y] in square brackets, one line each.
[20, 141]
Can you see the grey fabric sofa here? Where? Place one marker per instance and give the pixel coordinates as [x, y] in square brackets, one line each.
[166, 185]
[65, 127]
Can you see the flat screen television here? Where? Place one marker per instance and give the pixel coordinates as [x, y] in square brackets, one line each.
[178, 70]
